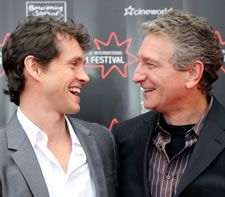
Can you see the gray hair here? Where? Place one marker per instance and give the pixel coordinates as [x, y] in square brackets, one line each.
[194, 39]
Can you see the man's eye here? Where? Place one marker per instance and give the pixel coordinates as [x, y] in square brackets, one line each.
[78, 62]
[73, 65]
[150, 65]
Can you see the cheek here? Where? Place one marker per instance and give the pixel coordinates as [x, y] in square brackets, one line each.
[54, 87]
[168, 85]
[173, 79]
[159, 79]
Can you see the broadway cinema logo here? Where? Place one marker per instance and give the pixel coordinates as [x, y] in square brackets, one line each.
[55, 9]
[111, 55]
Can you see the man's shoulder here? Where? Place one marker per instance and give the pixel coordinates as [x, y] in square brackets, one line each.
[140, 119]
[2, 127]
[101, 135]
[217, 113]
[132, 128]
[94, 128]
[2, 132]
[79, 121]
[3, 145]
[217, 105]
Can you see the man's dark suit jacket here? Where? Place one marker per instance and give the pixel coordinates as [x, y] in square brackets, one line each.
[205, 172]
[20, 173]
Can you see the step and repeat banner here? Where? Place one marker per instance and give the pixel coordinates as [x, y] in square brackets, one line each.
[111, 96]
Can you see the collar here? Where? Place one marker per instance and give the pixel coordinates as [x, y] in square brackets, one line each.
[197, 127]
[34, 133]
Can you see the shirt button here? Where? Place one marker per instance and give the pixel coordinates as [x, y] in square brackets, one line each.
[168, 177]
[160, 145]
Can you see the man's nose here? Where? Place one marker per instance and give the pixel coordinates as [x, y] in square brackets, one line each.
[83, 76]
[139, 74]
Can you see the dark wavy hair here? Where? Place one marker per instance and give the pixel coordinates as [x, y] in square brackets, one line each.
[36, 36]
[194, 39]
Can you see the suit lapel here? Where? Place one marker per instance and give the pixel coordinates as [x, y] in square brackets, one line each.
[25, 158]
[148, 128]
[95, 164]
[209, 145]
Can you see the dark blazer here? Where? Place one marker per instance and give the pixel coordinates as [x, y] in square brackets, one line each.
[20, 173]
[205, 172]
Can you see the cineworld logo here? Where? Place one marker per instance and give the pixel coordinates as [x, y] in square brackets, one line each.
[131, 11]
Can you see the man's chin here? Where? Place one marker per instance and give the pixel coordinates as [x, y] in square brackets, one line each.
[149, 106]
[73, 111]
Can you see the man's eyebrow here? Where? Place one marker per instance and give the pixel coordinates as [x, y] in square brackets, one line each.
[148, 59]
[77, 59]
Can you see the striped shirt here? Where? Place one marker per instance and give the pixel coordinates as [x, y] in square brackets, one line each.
[165, 173]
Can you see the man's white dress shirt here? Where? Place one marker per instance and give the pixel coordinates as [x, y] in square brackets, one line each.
[77, 181]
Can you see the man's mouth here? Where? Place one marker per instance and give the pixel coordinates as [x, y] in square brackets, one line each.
[148, 89]
[75, 91]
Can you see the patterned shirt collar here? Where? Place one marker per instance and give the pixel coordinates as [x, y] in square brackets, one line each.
[197, 127]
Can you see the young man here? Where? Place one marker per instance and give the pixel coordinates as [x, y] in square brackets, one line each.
[178, 147]
[44, 152]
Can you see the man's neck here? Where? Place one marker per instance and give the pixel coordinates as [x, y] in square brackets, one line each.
[189, 113]
[52, 123]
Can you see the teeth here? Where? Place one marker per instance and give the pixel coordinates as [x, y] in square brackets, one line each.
[74, 90]
[148, 89]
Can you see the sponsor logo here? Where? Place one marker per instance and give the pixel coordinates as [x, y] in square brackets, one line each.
[131, 11]
[1, 45]
[111, 55]
[55, 9]
[1, 71]
[222, 43]
[114, 121]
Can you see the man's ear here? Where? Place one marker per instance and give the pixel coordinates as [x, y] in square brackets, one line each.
[32, 67]
[195, 73]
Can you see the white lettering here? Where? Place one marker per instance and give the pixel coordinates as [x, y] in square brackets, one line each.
[139, 11]
[0, 58]
[105, 60]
